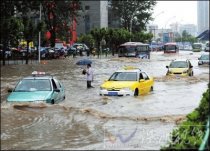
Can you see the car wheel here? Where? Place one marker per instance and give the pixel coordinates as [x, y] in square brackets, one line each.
[151, 89]
[136, 93]
[52, 102]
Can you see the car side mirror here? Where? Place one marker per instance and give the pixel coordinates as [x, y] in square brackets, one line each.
[199, 58]
[105, 80]
[166, 66]
[142, 80]
[10, 90]
[56, 90]
[191, 66]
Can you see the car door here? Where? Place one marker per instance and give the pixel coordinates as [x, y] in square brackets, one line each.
[142, 84]
[56, 94]
[147, 83]
[61, 88]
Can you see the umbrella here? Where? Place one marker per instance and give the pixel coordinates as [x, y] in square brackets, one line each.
[84, 62]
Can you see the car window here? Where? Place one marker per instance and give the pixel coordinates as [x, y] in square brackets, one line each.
[145, 76]
[27, 85]
[204, 57]
[57, 83]
[54, 84]
[178, 64]
[124, 76]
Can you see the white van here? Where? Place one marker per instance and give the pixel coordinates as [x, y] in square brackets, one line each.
[207, 47]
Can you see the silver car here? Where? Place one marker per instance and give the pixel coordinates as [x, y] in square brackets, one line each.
[203, 59]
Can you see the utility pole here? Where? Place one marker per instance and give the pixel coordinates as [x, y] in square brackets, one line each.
[40, 14]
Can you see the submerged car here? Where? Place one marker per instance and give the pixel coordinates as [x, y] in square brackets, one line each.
[129, 81]
[203, 59]
[180, 67]
[38, 88]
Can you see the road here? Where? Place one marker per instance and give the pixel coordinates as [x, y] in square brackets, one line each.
[86, 120]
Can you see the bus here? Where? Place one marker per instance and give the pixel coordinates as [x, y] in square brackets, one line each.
[134, 49]
[197, 47]
[171, 47]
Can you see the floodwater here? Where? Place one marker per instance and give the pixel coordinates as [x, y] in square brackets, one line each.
[86, 120]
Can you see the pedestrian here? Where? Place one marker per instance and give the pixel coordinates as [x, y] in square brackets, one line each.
[89, 73]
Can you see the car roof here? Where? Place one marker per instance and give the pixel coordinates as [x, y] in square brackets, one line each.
[38, 77]
[134, 44]
[180, 60]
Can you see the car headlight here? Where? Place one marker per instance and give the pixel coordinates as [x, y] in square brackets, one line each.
[126, 89]
[185, 71]
[102, 88]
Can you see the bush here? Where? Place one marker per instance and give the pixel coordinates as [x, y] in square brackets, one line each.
[190, 133]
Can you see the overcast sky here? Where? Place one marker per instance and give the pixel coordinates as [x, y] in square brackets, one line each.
[167, 12]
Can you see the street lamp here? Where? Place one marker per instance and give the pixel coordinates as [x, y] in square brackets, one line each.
[169, 20]
[40, 14]
[154, 20]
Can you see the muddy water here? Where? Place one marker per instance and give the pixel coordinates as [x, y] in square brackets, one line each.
[86, 120]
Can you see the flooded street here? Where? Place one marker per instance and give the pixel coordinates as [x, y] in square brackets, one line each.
[86, 120]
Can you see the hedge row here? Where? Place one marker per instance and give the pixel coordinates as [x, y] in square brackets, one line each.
[190, 133]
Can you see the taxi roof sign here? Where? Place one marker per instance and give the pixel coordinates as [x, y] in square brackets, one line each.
[130, 68]
[34, 73]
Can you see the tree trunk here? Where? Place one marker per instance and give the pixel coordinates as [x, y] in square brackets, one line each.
[3, 54]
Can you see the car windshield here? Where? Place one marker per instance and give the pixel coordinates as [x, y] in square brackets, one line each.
[204, 57]
[197, 46]
[27, 85]
[170, 47]
[178, 64]
[124, 76]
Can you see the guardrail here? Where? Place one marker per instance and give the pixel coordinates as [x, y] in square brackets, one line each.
[205, 141]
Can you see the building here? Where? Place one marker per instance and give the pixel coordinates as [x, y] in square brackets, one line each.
[190, 28]
[95, 15]
[202, 16]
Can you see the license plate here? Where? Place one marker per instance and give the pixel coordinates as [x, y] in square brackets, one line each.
[112, 93]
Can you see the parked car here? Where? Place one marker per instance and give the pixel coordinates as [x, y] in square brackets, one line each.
[180, 67]
[206, 49]
[203, 59]
[80, 49]
[38, 87]
[129, 81]
[197, 47]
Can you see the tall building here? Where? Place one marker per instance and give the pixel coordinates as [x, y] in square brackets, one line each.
[202, 15]
[95, 15]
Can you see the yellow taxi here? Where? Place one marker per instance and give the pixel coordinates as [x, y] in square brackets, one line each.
[180, 67]
[130, 81]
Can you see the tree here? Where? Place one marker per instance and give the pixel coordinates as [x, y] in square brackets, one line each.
[10, 27]
[186, 37]
[98, 35]
[142, 37]
[133, 13]
[59, 16]
[29, 33]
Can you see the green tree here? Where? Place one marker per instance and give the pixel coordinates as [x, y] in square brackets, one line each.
[120, 36]
[10, 27]
[28, 33]
[142, 37]
[133, 13]
[98, 34]
[186, 37]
